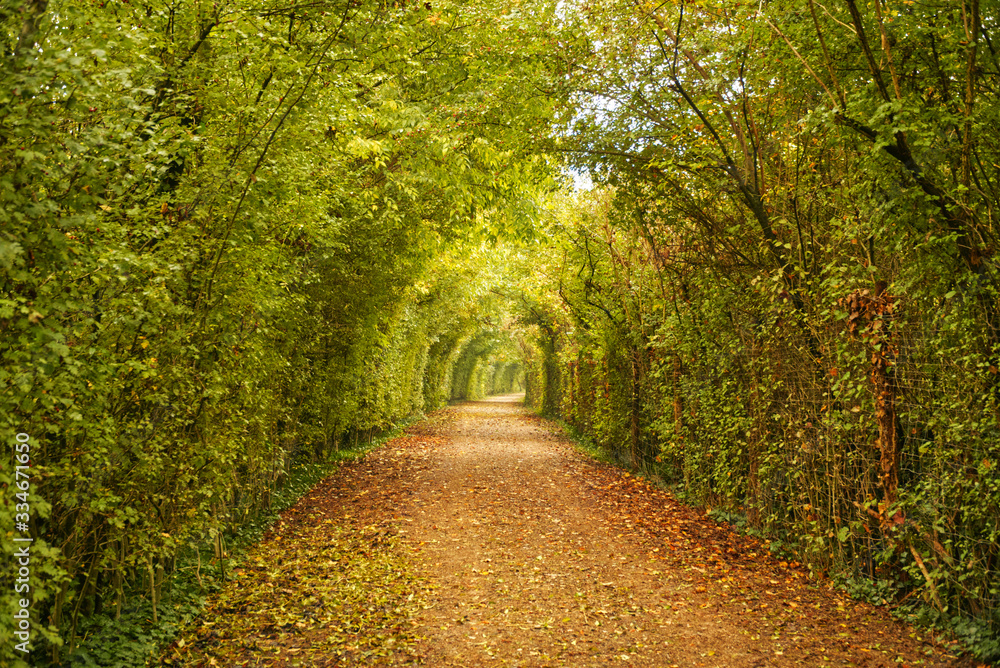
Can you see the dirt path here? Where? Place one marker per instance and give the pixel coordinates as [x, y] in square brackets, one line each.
[530, 569]
[524, 552]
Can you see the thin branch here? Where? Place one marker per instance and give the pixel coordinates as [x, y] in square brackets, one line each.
[972, 30]
[887, 47]
[869, 56]
[802, 60]
[826, 57]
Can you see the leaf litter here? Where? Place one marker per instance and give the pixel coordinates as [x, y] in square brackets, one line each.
[481, 537]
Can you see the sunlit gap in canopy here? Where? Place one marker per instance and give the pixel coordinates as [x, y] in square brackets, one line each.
[581, 180]
[592, 109]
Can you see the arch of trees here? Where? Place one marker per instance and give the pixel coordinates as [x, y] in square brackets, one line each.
[235, 236]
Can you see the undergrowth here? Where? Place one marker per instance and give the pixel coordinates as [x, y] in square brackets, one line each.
[974, 636]
[131, 638]
[584, 444]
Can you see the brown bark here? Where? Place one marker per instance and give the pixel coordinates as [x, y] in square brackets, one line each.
[869, 317]
[678, 401]
[884, 379]
[634, 430]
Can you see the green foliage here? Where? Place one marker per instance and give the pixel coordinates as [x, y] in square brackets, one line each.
[782, 299]
[220, 229]
[125, 637]
[237, 239]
